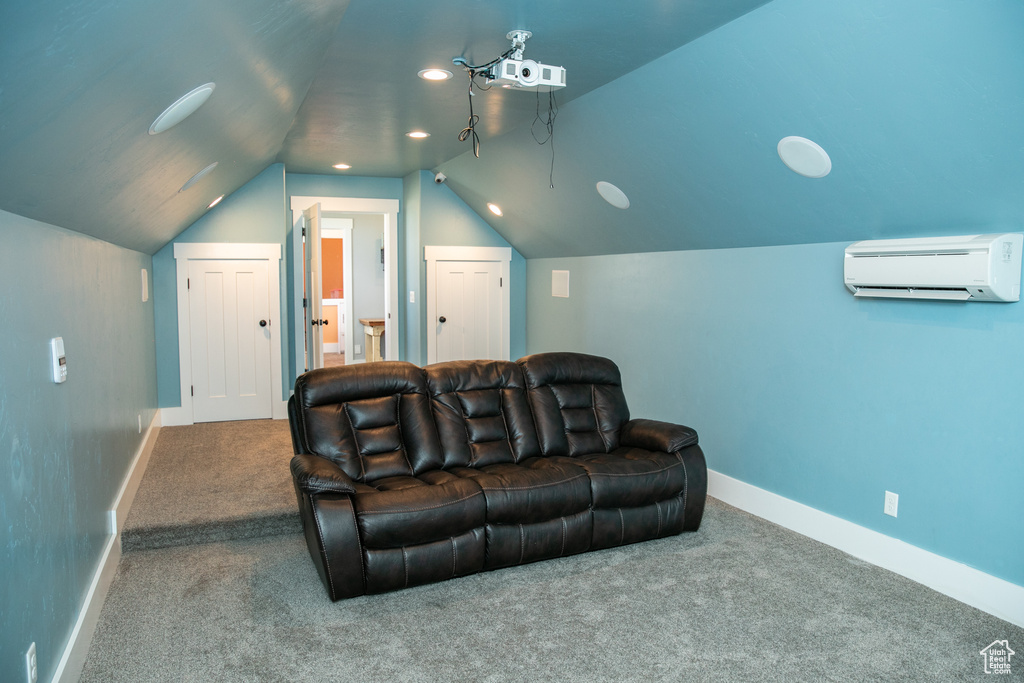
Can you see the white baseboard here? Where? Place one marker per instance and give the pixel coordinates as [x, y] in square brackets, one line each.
[130, 486]
[179, 417]
[69, 670]
[332, 348]
[996, 596]
[176, 417]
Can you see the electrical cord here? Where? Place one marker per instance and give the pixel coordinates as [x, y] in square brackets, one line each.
[469, 132]
[549, 125]
[460, 61]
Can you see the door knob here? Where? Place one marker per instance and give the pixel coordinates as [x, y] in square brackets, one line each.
[314, 322]
[263, 323]
[325, 322]
[442, 319]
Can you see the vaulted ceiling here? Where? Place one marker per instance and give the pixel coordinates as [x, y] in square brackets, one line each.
[680, 103]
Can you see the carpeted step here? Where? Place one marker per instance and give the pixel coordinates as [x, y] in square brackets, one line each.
[210, 531]
[213, 482]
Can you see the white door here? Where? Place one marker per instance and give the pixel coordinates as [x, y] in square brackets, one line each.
[229, 314]
[314, 290]
[468, 320]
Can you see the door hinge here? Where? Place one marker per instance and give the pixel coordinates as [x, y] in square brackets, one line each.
[193, 390]
[303, 232]
[188, 283]
[305, 304]
[501, 280]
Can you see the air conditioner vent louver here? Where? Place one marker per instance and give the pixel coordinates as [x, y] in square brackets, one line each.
[967, 268]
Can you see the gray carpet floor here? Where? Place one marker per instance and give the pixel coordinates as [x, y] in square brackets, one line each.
[739, 600]
[212, 482]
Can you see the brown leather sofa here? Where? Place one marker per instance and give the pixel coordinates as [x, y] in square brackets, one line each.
[408, 475]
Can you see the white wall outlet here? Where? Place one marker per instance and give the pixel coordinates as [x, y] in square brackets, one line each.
[31, 668]
[357, 349]
[412, 296]
[892, 502]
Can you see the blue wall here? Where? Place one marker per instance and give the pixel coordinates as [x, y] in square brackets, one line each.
[445, 220]
[259, 212]
[798, 388]
[412, 258]
[252, 214]
[64, 449]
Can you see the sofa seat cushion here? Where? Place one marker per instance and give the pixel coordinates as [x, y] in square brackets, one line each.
[534, 490]
[633, 477]
[398, 511]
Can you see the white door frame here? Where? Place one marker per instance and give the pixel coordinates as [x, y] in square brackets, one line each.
[389, 209]
[183, 253]
[432, 255]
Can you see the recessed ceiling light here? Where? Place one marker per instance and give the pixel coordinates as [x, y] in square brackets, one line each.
[613, 195]
[182, 108]
[804, 157]
[215, 202]
[342, 167]
[495, 209]
[435, 74]
[418, 134]
[197, 177]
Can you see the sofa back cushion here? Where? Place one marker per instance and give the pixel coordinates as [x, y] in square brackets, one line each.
[577, 402]
[482, 413]
[372, 420]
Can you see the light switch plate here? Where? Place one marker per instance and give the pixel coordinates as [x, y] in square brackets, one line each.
[31, 666]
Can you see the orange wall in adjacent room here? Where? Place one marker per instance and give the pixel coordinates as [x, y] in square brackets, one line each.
[331, 260]
[330, 314]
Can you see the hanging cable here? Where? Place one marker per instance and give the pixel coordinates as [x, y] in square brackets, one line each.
[469, 132]
[548, 124]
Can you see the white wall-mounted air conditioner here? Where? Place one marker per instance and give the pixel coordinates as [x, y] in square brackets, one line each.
[965, 268]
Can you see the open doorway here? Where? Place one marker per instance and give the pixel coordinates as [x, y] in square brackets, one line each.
[352, 287]
[368, 232]
[334, 234]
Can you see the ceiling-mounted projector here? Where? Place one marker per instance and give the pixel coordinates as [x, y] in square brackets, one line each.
[524, 74]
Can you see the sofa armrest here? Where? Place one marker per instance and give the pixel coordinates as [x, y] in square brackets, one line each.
[654, 435]
[313, 474]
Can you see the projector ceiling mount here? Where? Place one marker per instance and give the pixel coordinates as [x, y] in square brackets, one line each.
[518, 38]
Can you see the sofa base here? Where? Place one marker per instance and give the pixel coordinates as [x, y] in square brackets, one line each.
[512, 544]
[396, 568]
[622, 526]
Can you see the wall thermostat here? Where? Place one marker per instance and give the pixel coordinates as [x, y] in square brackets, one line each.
[60, 364]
